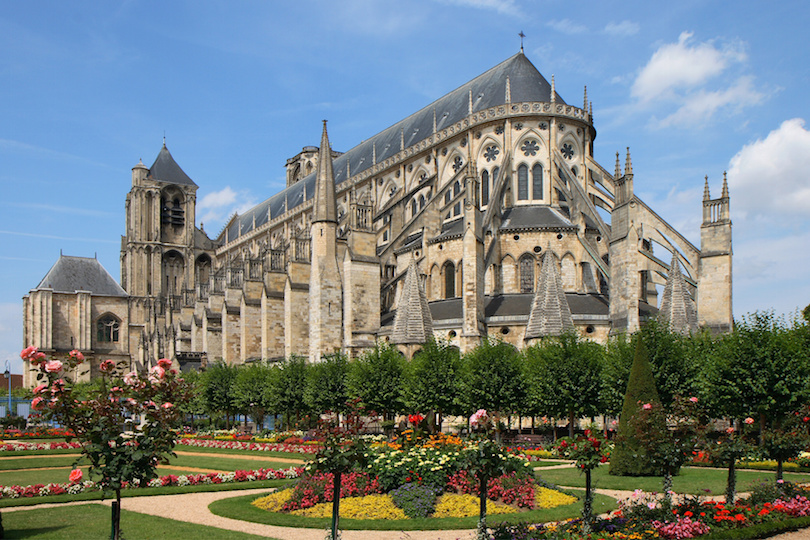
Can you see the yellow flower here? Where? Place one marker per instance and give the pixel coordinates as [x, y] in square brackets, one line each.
[549, 498]
[368, 507]
[274, 501]
[455, 505]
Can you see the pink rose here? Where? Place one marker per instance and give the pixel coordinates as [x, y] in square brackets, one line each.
[647, 406]
[37, 403]
[40, 388]
[693, 399]
[77, 355]
[131, 378]
[729, 430]
[165, 363]
[749, 420]
[167, 405]
[54, 366]
[157, 372]
[107, 365]
[75, 475]
[28, 352]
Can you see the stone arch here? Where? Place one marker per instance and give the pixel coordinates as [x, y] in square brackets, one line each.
[526, 273]
[173, 271]
[388, 191]
[108, 328]
[509, 274]
[575, 146]
[448, 279]
[420, 172]
[202, 269]
[434, 282]
[448, 167]
[568, 272]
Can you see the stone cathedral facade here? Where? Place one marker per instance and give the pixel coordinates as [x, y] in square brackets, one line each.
[484, 214]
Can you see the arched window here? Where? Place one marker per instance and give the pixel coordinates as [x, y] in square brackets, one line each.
[526, 274]
[523, 183]
[457, 206]
[449, 280]
[485, 187]
[421, 202]
[107, 329]
[537, 182]
[414, 208]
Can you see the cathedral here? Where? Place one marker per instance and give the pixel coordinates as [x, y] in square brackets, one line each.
[484, 214]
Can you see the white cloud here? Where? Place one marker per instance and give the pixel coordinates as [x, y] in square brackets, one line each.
[768, 178]
[507, 7]
[217, 199]
[702, 105]
[567, 26]
[622, 29]
[216, 207]
[682, 65]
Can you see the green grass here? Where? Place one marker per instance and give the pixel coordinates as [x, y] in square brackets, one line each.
[92, 521]
[44, 461]
[4, 453]
[691, 480]
[25, 478]
[144, 492]
[548, 463]
[240, 508]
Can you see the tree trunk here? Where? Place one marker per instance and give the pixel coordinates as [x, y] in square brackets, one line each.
[482, 505]
[115, 533]
[731, 483]
[779, 469]
[532, 425]
[761, 429]
[571, 423]
[336, 506]
[587, 505]
[554, 423]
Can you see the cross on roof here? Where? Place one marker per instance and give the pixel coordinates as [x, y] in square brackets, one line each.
[522, 35]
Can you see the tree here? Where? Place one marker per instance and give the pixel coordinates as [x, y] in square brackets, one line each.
[492, 378]
[195, 404]
[431, 379]
[326, 384]
[565, 376]
[217, 393]
[674, 370]
[761, 369]
[629, 457]
[618, 361]
[377, 379]
[249, 391]
[285, 393]
[121, 449]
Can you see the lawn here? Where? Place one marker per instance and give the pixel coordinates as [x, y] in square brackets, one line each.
[228, 463]
[693, 480]
[92, 521]
[240, 508]
[205, 450]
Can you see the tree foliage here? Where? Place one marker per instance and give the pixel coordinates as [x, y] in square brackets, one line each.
[218, 395]
[249, 391]
[492, 378]
[326, 388]
[377, 379]
[285, 391]
[431, 379]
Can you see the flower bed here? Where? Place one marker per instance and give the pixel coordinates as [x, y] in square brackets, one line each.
[73, 488]
[43, 433]
[21, 446]
[241, 445]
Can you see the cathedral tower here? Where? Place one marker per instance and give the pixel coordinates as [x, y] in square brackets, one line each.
[624, 272]
[714, 266]
[325, 291]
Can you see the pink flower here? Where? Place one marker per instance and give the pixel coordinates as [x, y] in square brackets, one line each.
[54, 366]
[28, 352]
[167, 405]
[107, 365]
[77, 355]
[165, 363]
[40, 388]
[647, 406]
[37, 403]
[131, 378]
[156, 373]
[729, 430]
[75, 475]
[693, 399]
[749, 420]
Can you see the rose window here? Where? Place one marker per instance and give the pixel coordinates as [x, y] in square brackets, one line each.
[530, 148]
[491, 153]
[568, 151]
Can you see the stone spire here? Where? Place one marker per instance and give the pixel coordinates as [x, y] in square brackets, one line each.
[628, 164]
[550, 314]
[724, 194]
[413, 323]
[324, 207]
[585, 103]
[618, 172]
[706, 195]
[677, 307]
[553, 90]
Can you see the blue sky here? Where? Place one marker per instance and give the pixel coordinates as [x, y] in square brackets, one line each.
[89, 88]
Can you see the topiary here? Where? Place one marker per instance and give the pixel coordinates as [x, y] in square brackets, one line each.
[628, 457]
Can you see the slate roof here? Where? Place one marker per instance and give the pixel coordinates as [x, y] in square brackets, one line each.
[412, 323]
[71, 274]
[166, 169]
[677, 306]
[550, 314]
[488, 90]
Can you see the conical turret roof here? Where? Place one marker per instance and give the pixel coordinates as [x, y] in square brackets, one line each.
[412, 322]
[677, 307]
[166, 169]
[550, 314]
[324, 208]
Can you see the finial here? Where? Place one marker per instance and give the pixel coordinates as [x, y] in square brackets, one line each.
[585, 106]
[348, 170]
[164, 138]
[434, 120]
[706, 195]
[553, 91]
[522, 35]
[725, 186]
[402, 138]
[374, 153]
[508, 91]
[628, 165]
[590, 109]
[469, 107]
[618, 172]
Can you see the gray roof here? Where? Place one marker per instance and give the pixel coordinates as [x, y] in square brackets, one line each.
[534, 217]
[488, 90]
[71, 274]
[412, 323]
[677, 306]
[550, 314]
[166, 169]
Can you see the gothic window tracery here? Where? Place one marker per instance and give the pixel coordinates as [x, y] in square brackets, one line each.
[457, 164]
[530, 148]
[449, 280]
[491, 153]
[523, 183]
[537, 181]
[567, 151]
[107, 328]
[484, 187]
[526, 274]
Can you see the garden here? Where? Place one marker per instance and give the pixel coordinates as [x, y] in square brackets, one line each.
[708, 438]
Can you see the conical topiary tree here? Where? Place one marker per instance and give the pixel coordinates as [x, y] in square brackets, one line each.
[628, 457]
